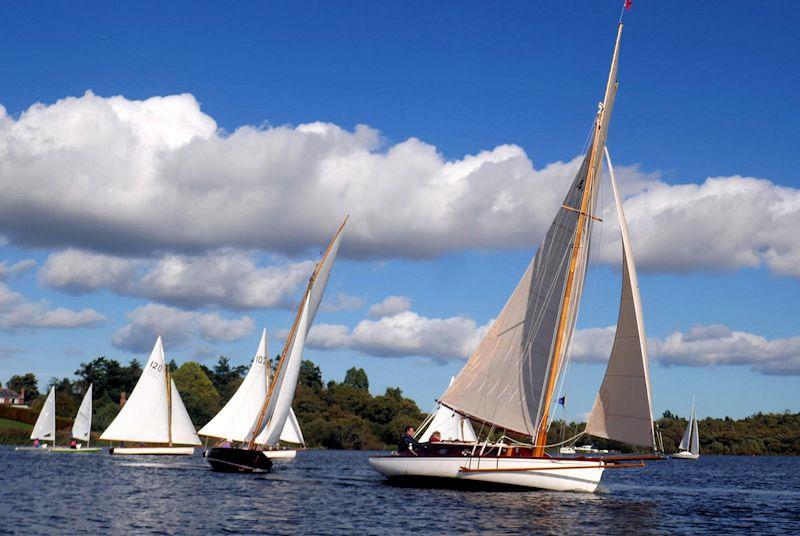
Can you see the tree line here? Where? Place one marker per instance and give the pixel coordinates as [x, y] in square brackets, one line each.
[344, 415]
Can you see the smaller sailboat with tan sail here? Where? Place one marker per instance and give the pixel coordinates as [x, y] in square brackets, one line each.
[154, 418]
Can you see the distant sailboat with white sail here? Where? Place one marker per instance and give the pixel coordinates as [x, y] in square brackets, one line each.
[509, 382]
[154, 416]
[81, 428]
[260, 415]
[689, 449]
[44, 429]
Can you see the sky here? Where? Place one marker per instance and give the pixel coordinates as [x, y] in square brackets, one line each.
[176, 169]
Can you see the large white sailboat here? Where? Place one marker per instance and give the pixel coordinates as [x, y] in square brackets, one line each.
[257, 415]
[234, 422]
[44, 429]
[154, 417]
[509, 382]
[81, 428]
[689, 449]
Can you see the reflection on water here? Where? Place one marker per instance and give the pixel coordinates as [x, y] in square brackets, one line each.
[337, 493]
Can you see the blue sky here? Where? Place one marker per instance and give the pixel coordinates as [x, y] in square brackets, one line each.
[706, 90]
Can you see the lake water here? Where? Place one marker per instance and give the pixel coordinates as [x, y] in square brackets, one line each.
[337, 493]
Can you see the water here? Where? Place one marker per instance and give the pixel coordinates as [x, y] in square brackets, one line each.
[337, 493]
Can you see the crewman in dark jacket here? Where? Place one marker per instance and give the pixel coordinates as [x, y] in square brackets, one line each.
[407, 442]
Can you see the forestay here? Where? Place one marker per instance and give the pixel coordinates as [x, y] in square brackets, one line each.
[623, 408]
[82, 426]
[45, 427]
[236, 419]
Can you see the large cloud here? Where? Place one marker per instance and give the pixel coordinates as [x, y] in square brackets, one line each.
[17, 312]
[177, 327]
[153, 176]
[224, 278]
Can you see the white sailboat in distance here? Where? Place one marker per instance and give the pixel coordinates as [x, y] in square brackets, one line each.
[689, 449]
[154, 416]
[509, 382]
[44, 429]
[81, 428]
[265, 405]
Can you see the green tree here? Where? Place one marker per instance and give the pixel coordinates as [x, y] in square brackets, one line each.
[25, 381]
[108, 376]
[199, 395]
[226, 379]
[356, 377]
[310, 375]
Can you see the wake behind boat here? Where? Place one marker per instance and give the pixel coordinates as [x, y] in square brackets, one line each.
[509, 382]
[259, 415]
[154, 416]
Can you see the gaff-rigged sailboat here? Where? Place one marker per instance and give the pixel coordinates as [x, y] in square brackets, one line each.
[234, 422]
[689, 449]
[81, 428]
[154, 416]
[44, 429]
[257, 418]
[509, 382]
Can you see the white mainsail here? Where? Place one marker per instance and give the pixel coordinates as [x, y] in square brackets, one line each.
[236, 419]
[146, 416]
[82, 427]
[45, 427]
[285, 383]
[623, 408]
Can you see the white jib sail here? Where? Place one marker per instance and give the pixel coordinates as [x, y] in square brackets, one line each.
[45, 427]
[695, 444]
[183, 431]
[236, 419]
[291, 430]
[145, 416]
[623, 408]
[285, 383]
[82, 426]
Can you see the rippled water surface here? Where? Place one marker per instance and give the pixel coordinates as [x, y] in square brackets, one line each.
[337, 493]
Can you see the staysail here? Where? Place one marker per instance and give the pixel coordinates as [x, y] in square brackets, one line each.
[146, 415]
[45, 427]
[623, 408]
[451, 426]
[291, 430]
[235, 420]
[82, 426]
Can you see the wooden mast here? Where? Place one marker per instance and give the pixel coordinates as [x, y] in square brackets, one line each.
[262, 414]
[595, 161]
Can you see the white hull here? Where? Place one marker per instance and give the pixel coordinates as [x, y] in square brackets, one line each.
[43, 448]
[538, 473]
[152, 451]
[684, 455]
[286, 454]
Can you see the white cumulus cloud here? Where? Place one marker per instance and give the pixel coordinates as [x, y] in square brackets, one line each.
[177, 327]
[17, 312]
